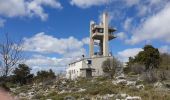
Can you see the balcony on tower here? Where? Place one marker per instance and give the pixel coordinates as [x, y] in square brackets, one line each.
[98, 32]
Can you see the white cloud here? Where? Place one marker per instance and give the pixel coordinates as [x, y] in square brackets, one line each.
[86, 40]
[39, 62]
[155, 1]
[2, 21]
[164, 49]
[88, 3]
[125, 54]
[121, 35]
[155, 27]
[128, 24]
[20, 8]
[12, 8]
[69, 47]
[65, 50]
[131, 2]
[45, 61]
[142, 10]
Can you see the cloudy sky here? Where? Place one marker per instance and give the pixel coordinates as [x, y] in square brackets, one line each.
[55, 32]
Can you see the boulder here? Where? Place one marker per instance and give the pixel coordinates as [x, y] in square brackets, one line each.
[123, 95]
[140, 86]
[110, 95]
[122, 76]
[133, 98]
[131, 83]
[22, 95]
[107, 96]
[103, 97]
[64, 82]
[158, 85]
[114, 82]
[63, 91]
[12, 89]
[121, 82]
[81, 90]
[30, 93]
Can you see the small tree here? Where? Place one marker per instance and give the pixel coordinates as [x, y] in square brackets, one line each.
[10, 55]
[109, 66]
[150, 57]
[22, 74]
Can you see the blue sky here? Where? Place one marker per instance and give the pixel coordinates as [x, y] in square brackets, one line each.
[55, 32]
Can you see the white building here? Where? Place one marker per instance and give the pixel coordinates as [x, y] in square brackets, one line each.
[92, 66]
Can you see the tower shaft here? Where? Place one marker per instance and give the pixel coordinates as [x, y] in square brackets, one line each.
[106, 35]
[91, 45]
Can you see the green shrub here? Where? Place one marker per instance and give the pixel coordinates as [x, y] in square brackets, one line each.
[4, 87]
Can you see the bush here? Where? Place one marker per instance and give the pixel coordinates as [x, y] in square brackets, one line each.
[38, 96]
[109, 67]
[138, 68]
[22, 74]
[162, 75]
[126, 69]
[4, 87]
[150, 76]
[101, 78]
[44, 76]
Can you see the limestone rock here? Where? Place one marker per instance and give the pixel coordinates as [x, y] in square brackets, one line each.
[133, 98]
[81, 90]
[140, 86]
[122, 76]
[22, 95]
[158, 85]
[123, 95]
[121, 82]
[131, 83]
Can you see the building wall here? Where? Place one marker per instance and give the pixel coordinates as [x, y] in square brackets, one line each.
[73, 71]
[97, 65]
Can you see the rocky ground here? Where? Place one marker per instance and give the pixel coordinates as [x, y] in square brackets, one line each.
[120, 88]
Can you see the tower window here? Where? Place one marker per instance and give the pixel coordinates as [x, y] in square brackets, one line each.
[100, 30]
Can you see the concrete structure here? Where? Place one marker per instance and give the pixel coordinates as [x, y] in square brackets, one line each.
[92, 66]
[102, 33]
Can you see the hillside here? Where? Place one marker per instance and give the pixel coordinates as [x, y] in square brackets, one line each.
[120, 88]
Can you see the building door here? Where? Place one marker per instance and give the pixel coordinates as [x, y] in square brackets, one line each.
[88, 73]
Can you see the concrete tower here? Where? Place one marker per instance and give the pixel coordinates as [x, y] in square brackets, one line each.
[103, 33]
